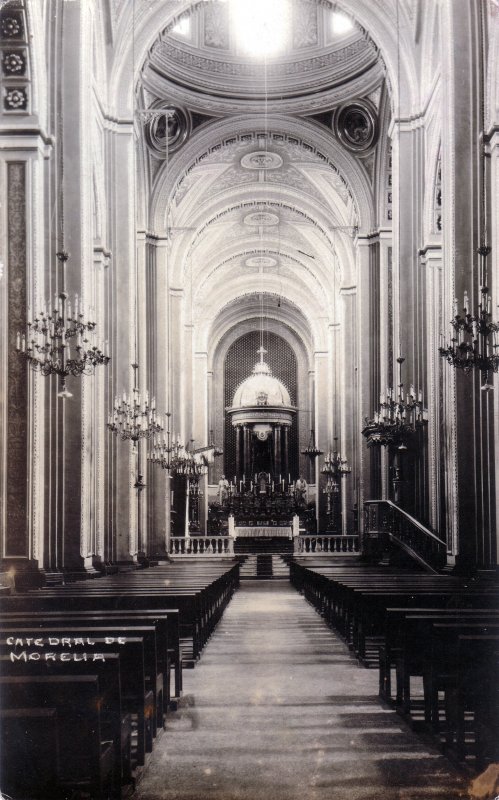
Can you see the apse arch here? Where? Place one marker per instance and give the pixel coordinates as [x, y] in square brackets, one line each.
[304, 379]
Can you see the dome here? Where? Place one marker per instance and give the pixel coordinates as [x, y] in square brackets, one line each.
[261, 389]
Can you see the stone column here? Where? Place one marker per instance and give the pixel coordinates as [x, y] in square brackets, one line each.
[285, 450]
[350, 423]
[177, 364]
[122, 473]
[494, 269]
[237, 431]
[431, 262]
[467, 409]
[200, 424]
[247, 452]
[159, 479]
[277, 451]
[321, 427]
[363, 378]
[386, 335]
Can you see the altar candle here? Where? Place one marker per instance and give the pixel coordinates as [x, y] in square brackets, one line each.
[18, 341]
[289, 478]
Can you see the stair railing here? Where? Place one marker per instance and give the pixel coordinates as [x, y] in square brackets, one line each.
[384, 522]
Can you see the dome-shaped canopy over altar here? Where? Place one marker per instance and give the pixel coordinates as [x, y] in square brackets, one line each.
[261, 389]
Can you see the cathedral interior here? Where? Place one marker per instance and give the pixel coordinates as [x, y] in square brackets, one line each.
[249, 354]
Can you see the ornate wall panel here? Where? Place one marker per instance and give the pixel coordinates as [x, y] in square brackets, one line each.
[16, 537]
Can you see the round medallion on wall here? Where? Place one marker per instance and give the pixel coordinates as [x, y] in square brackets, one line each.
[263, 218]
[356, 126]
[261, 261]
[261, 159]
[166, 129]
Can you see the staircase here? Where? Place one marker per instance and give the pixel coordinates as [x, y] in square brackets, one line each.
[264, 566]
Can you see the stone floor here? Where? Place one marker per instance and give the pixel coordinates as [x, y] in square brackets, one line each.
[277, 709]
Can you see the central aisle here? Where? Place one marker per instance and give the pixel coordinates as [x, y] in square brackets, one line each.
[277, 709]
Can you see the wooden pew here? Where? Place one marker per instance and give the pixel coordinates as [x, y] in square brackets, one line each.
[29, 753]
[167, 634]
[116, 724]
[477, 691]
[401, 632]
[86, 759]
[137, 699]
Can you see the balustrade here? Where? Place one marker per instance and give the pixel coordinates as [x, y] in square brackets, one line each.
[326, 543]
[384, 521]
[201, 546]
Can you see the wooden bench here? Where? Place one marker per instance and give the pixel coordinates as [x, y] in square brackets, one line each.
[86, 758]
[167, 634]
[116, 725]
[29, 752]
[137, 699]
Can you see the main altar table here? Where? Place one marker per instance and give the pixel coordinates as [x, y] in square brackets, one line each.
[267, 531]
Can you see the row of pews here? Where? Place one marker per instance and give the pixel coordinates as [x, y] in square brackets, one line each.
[89, 671]
[434, 639]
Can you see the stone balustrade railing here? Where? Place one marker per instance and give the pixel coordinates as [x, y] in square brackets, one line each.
[201, 546]
[326, 543]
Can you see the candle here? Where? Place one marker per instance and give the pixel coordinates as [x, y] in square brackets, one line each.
[465, 301]
[18, 341]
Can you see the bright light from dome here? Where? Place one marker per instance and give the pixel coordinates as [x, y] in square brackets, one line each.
[183, 28]
[341, 23]
[260, 26]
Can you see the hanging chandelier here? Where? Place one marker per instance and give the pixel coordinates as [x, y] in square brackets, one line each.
[397, 419]
[475, 344]
[134, 415]
[167, 451]
[60, 340]
[335, 467]
[312, 451]
[334, 463]
[170, 454]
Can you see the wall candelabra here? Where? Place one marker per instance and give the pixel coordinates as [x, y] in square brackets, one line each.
[475, 344]
[398, 417]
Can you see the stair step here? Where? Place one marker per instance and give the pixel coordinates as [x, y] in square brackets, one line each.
[264, 566]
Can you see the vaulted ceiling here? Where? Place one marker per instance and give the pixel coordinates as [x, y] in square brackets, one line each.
[262, 164]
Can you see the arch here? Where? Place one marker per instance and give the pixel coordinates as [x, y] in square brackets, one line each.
[217, 132]
[216, 359]
[136, 37]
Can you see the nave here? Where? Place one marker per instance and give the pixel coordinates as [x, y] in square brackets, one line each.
[277, 707]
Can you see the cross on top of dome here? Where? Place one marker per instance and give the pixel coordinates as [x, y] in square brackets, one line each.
[261, 367]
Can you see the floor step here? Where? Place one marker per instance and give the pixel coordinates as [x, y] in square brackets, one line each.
[264, 566]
